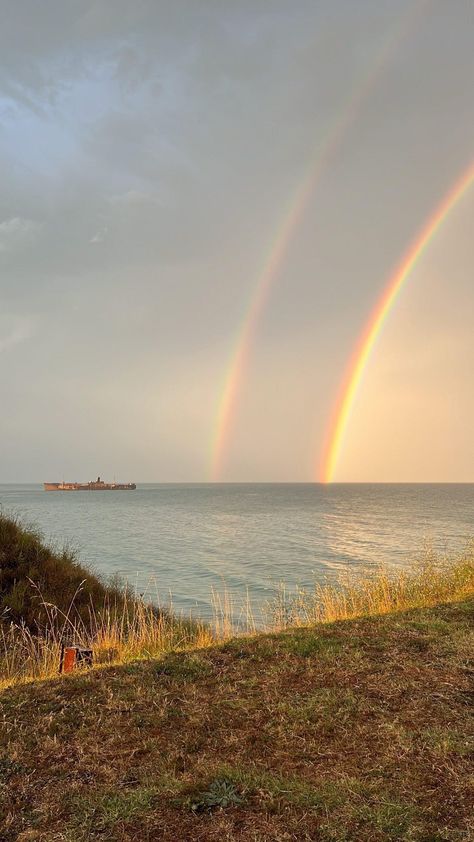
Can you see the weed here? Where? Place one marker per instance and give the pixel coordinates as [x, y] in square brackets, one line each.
[221, 793]
[275, 791]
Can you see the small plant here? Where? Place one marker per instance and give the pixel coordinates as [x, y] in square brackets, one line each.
[222, 793]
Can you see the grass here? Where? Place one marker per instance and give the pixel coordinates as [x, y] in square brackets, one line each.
[47, 599]
[26, 656]
[358, 730]
[120, 628]
[430, 581]
[111, 809]
[348, 720]
[34, 577]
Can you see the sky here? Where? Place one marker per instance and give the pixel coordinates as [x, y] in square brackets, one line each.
[150, 154]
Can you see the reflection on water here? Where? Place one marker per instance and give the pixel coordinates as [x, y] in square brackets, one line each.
[190, 538]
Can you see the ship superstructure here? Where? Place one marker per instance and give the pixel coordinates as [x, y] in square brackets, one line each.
[94, 485]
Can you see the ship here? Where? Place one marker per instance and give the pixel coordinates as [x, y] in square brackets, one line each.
[94, 485]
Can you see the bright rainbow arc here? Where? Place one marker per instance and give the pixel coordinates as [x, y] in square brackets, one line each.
[376, 322]
[280, 244]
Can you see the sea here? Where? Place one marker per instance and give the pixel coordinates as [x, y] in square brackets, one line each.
[179, 544]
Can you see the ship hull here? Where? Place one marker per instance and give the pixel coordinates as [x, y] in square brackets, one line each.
[89, 486]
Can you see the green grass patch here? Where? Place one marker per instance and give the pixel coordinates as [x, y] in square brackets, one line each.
[433, 626]
[329, 707]
[448, 741]
[393, 819]
[110, 811]
[275, 791]
[182, 667]
[310, 644]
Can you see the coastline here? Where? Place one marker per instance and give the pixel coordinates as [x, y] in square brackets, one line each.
[348, 720]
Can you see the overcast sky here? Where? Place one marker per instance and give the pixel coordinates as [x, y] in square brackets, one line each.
[148, 155]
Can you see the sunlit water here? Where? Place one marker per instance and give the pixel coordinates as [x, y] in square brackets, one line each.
[188, 539]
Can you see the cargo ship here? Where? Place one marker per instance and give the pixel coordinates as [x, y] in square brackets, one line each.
[93, 485]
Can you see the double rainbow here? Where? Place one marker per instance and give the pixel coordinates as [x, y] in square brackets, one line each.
[373, 328]
[238, 363]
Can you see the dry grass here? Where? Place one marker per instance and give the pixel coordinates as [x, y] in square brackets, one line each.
[138, 631]
[47, 600]
[134, 630]
[432, 580]
[355, 731]
[353, 725]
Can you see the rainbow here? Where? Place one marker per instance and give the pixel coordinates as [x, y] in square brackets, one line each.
[239, 359]
[374, 326]
[280, 243]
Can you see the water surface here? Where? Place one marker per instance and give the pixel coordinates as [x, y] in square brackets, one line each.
[187, 539]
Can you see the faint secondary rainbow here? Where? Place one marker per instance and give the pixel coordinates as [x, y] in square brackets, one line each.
[373, 328]
[280, 243]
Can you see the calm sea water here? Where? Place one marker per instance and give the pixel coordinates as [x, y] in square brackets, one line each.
[187, 539]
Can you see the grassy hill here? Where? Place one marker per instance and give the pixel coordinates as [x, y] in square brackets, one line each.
[357, 730]
[34, 577]
[47, 599]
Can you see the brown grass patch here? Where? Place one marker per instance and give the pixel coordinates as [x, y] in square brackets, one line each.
[360, 730]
